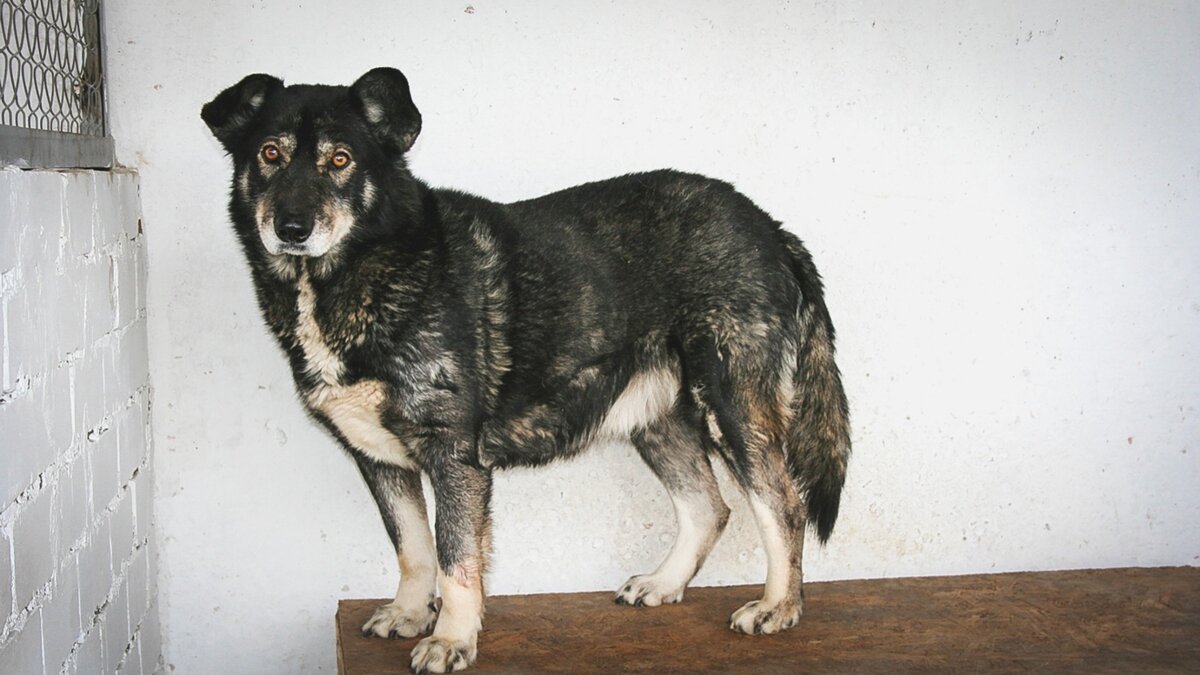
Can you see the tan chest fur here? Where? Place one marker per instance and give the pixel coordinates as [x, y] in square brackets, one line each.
[354, 409]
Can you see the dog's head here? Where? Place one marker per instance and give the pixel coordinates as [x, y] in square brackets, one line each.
[308, 159]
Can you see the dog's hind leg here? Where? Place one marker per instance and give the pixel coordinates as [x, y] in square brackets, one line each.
[779, 513]
[675, 453]
[746, 416]
[397, 492]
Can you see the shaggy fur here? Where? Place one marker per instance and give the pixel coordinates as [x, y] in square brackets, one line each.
[436, 332]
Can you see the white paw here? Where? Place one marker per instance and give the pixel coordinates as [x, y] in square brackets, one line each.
[650, 591]
[392, 620]
[759, 618]
[439, 655]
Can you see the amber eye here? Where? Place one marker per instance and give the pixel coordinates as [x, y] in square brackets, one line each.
[340, 159]
[270, 153]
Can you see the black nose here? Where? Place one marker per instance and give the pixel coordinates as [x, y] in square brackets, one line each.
[292, 231]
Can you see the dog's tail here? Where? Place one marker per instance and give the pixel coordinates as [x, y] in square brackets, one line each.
[819, 437]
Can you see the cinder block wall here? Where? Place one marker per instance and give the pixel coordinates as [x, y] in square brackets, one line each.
[77, 549]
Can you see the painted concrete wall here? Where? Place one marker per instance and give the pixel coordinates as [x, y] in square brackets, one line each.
[1003, 201]
[77, 546]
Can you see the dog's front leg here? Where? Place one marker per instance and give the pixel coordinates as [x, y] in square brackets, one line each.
[462, 494]
[397, 491]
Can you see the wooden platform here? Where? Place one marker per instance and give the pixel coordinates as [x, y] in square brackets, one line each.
[1110, 621]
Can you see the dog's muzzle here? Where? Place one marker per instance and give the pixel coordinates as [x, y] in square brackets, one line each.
[300, 232]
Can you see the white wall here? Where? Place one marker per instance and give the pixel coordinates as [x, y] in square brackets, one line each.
[77, 551]
[1003, 201]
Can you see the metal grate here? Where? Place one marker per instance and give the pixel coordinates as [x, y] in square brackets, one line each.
[52, 83]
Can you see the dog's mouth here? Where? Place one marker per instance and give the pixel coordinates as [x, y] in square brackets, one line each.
[313, 248]
[292, 249]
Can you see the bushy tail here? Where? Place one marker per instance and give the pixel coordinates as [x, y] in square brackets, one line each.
[819, 437]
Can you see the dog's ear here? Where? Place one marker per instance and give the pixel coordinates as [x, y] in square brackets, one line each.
[232, 110]
[383, 99]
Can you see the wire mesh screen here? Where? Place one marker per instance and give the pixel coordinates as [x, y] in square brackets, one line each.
[50, 71]
[52, 85]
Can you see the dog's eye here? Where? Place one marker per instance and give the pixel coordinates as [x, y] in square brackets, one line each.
[270, 153]
[340, 159]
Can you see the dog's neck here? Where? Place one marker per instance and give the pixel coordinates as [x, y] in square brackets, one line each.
[386, 270]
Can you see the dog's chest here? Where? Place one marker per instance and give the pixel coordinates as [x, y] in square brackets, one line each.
[355, 410]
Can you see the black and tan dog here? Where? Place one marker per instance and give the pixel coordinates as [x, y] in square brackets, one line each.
[434, 331]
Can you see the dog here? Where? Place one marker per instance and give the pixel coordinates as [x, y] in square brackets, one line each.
[435, 332]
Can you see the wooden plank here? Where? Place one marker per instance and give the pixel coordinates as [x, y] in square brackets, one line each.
[1092, 620]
